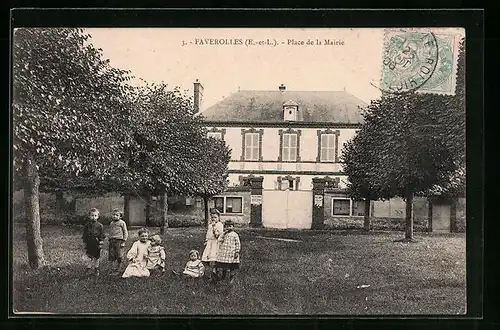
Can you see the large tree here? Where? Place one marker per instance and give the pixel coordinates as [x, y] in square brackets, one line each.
[360, 164]
[170, 152]
[408, 144]
[69, 112]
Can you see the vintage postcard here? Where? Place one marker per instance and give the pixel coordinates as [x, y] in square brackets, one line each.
[239, 171]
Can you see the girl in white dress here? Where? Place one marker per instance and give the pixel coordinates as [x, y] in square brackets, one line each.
[215, 229]
[137, 256]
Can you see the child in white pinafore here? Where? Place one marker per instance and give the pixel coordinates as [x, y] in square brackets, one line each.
[194, 267]
[137, 256]
[156, 255]
[215, 229]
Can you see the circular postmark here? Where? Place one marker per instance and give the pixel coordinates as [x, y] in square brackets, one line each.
[409, 61]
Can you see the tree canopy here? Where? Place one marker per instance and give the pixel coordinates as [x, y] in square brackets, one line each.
[409, 144]
[69, 107]
[169, 149]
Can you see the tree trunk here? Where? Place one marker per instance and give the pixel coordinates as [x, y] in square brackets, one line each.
[409, 214]
[147, 210]
[126, 208]
[453, 216]
[429, 215]
[366, 219]
[32, 208]
[61, 208]
[164, 217]
[205, 206]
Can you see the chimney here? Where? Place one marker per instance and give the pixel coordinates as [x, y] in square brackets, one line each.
[282, 87]
[198, 96]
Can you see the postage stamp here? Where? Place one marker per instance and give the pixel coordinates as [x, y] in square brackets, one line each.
[419, 60]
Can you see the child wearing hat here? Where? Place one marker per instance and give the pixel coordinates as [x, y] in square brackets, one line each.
[228, 254]
[156, 255]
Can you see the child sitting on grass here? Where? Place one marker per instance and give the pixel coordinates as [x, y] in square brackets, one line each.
[156, 255]
[137, 256]
[194, 267]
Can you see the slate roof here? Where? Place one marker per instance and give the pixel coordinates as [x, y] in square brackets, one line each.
[267, 106]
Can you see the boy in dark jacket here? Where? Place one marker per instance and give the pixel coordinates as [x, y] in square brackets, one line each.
[93, 237]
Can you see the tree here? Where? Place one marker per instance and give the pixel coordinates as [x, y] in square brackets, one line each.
[360, 164]
[211, 171]
[408, 144]
[69, 112]
[170, 153]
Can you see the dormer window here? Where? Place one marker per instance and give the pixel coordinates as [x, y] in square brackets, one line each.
[290, 111]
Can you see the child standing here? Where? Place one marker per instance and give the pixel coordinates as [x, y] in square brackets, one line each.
[215, 229]
[137, 256]
[118, 234]
[228, 255]
[194, 267]
[93, 237]
[156, 255]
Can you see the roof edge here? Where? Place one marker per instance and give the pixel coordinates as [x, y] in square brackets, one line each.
[280, 124]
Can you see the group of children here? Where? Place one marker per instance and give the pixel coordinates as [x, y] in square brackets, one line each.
[221, 254]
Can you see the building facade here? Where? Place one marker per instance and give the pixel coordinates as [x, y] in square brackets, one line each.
[286, 141]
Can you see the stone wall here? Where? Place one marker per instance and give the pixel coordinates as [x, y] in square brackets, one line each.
[384, 215]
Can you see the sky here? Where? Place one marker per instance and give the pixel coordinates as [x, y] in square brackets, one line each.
[352, 62]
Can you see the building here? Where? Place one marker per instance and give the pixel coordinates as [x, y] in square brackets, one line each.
[287, 144]
[285, 169]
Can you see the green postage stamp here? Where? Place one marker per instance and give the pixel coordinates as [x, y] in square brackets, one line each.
[420, 60]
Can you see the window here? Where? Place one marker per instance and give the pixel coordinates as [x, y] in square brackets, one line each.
[251, 146]
[358, 208]
[219, 204]
[229, 204]
[288, 182]
[290, 112]
[215, 135]
[289, 151]
[327, 147]
[234, 205]
[348, 207]
[341, 206]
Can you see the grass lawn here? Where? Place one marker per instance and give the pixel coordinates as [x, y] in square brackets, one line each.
[312, 272]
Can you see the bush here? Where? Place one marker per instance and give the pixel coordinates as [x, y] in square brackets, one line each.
[461, 225]
[385, 224]
[178, 221]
